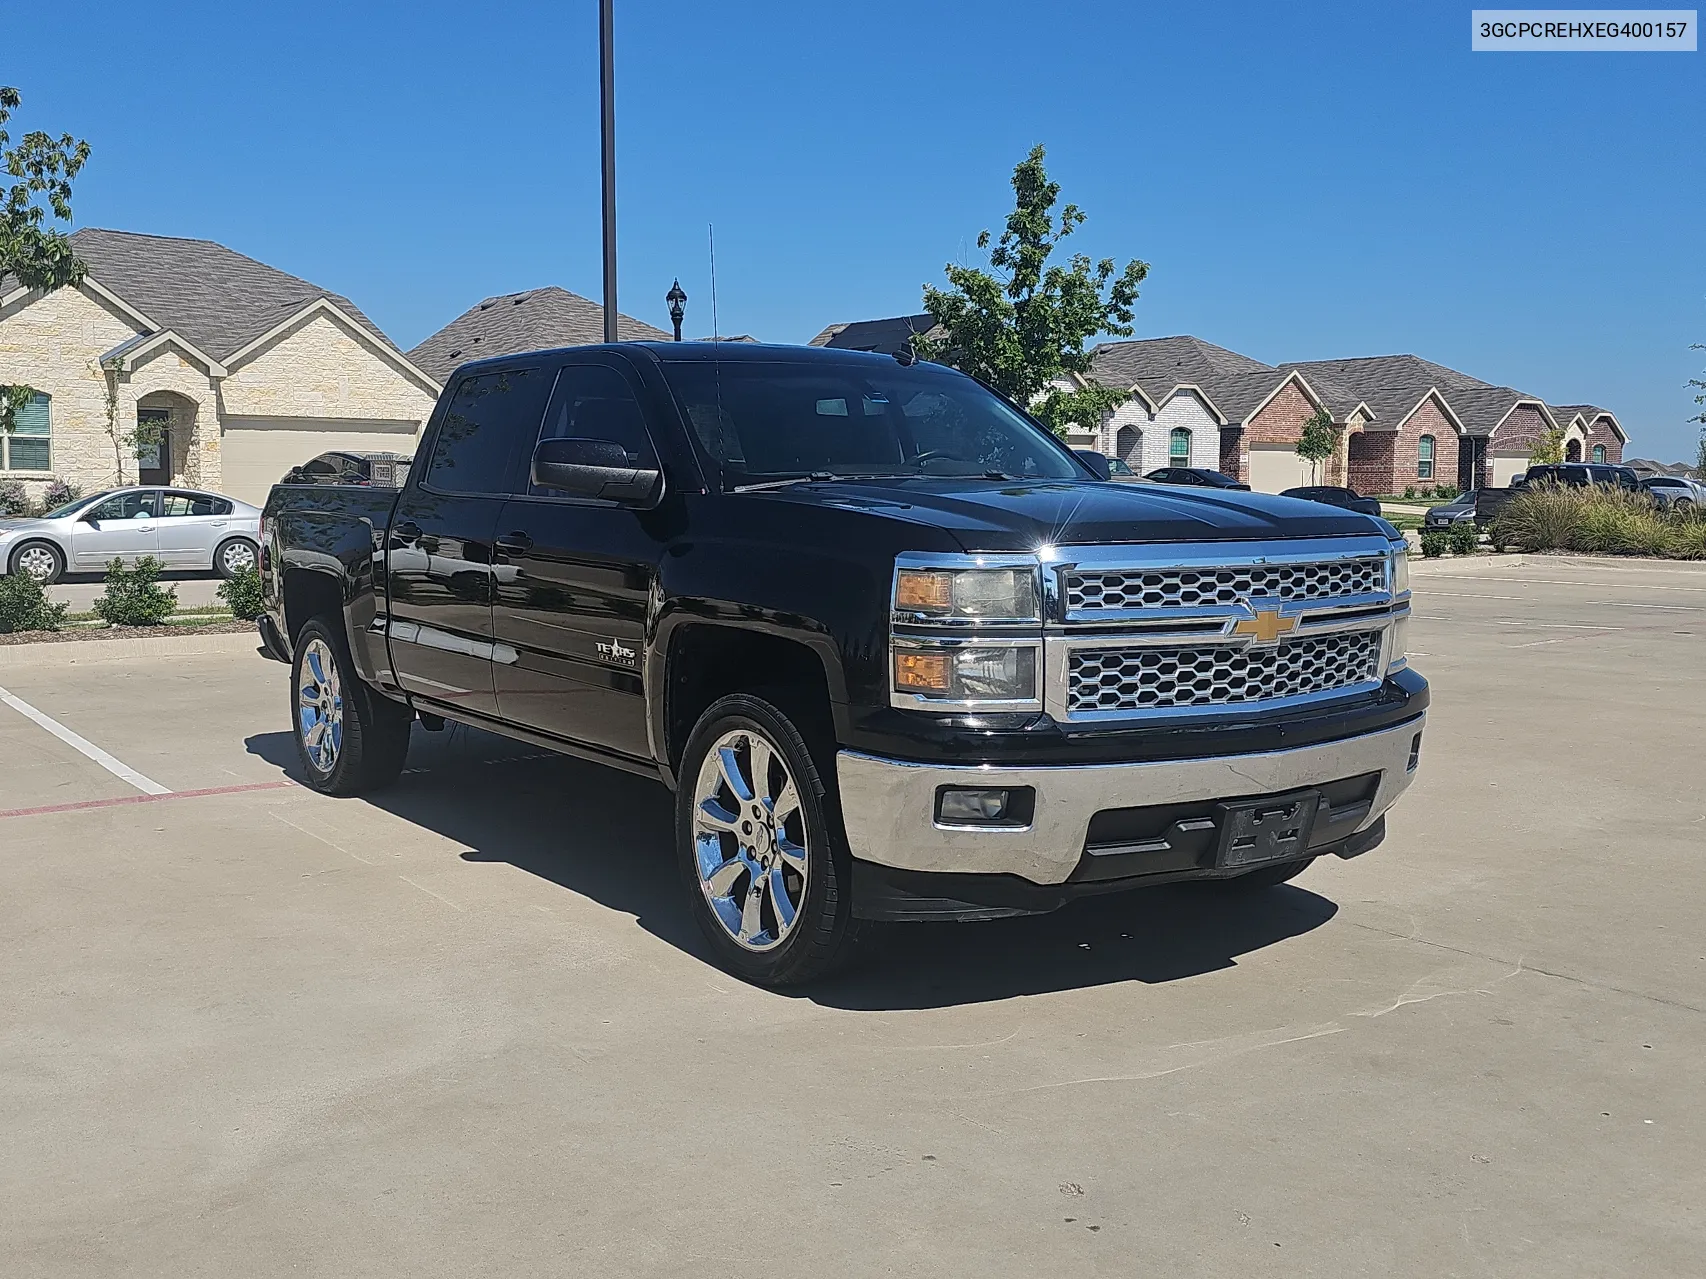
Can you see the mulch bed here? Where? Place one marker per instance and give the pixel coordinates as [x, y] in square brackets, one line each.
[95, 634]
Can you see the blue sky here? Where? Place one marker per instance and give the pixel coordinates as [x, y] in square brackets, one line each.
[1305, 183]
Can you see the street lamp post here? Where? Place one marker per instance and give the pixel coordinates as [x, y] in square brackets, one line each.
[677, 299]
[607, 121]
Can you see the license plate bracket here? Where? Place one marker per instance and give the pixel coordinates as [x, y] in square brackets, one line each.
[1275, 828]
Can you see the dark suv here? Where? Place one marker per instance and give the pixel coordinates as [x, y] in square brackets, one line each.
[1200, 476]
[1333, 495]
[1581, 474]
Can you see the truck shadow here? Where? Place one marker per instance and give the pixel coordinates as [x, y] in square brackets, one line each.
[609, 837]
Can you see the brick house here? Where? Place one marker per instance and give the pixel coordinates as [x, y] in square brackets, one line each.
[245, 370]
[533, 320]
[1221, 410]
[1591, 434]
[1411, 440]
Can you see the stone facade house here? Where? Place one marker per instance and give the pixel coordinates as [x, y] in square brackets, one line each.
[1193, 403]
[533, 320]
[243, 371]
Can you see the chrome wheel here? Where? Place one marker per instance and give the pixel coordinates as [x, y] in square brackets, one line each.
[37, 561]
[236, 557]
[320, 707]
[749, 840]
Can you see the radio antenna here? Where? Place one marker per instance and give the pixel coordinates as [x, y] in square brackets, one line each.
[711, 234]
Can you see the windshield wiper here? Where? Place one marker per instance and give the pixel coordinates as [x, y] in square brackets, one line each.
[812, 477]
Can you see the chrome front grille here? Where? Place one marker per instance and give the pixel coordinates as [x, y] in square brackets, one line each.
[1089, 591]
[1151, 679]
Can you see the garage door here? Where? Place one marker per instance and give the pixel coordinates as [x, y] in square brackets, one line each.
[1274, 467]
[256, 452]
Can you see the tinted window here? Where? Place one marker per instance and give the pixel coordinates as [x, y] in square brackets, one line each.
[127, 506]
[193, 504]
[1665, 484]
[486, 416]
[321, 466]
[594, 402]
[764, 420]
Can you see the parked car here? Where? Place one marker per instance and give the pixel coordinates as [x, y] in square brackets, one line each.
[1332, 495]
[1460, 510]
[387, 470]
[1676, 491]
[182, 528]
[1579, 474]
[1201, 476]
[1120, 469]
[898, 651]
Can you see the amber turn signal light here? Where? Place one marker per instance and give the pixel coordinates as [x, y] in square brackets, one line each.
[921, 672]
[930, 592]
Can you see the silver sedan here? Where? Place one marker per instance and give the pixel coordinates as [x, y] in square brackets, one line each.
[1676, 491]
[182, 528]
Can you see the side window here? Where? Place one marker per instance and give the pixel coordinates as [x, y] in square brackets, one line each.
[486, 415]
[595, 402]
[126, 506]
[179, 504]
[321, 467]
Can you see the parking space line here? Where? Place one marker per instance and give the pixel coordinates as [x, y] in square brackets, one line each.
[142, 799]
[124, 772]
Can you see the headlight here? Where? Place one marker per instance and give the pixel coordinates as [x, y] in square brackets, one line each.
[1399, 655]
[970, 595]
[965, 673]
[1400, 574]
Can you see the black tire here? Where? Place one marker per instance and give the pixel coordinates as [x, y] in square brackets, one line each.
[821, 935]
[221, 551]
[1256, 881]
[1683, 503]
[54, 574]
[373, 744]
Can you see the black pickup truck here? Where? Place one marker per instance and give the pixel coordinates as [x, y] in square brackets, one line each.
[898, 652]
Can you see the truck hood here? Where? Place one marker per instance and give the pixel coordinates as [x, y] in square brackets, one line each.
[1023, 515]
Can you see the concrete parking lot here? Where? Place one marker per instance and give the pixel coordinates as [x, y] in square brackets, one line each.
[466, 1028]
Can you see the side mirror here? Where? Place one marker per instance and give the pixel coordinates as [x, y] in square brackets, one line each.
[1097, 462]
[595, 469]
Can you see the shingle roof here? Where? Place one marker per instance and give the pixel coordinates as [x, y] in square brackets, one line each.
[886, 337]
[535, 320]
[1390, 385]
[1237, 384]
[212, 296]
[1479, 405]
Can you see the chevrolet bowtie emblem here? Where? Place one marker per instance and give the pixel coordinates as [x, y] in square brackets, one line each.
[1266, 626]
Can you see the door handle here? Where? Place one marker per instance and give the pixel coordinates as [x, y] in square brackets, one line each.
[515, 543]
[408, 530]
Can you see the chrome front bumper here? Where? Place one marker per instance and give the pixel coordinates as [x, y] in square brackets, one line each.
[888, 806]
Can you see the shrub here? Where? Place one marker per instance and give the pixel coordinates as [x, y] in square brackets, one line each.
[1434, 544]
[1688, 539]
[133, 596]
[242, 592]
[1446, 492]
[1541, 518]
[1410, 490]
[24, 606]
[1465, 539]
[59, 493]
[1427, 490]
[14, 500]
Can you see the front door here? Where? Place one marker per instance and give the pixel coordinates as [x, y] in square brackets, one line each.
[439, 558]
[154, 456]
[575, 579]
[124, 527]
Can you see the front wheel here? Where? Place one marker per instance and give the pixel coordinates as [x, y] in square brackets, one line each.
[762, 856]
[41, 560]
[350, 739]
[234, 555]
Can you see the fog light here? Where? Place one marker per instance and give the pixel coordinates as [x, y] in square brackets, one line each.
[1008, 806]
[1415, 753]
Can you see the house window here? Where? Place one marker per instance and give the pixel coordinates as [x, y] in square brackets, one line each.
[1179, 447]
[1425, 458]
[28, 446]
[1599, 452]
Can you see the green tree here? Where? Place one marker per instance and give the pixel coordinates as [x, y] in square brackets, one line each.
[1318, 442]
[1699, 385]
[1023, 323]
[39, 256]
[1548, 449]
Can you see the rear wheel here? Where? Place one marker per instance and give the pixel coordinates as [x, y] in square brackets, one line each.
[1256, 881]
[762, 855]
[234, 555]
[350, 739]
[1683, 503]
[41, 560]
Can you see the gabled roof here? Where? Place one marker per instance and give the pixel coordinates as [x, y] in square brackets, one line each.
[534, 320]
[214, 298]
[1235, 385]
[1589, 413]
[1393, 386]
[1478, 406]
[885, 337]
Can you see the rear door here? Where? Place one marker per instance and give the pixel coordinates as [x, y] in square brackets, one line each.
[191, 524]
[439, 551]
[574, 577]
[122, 527]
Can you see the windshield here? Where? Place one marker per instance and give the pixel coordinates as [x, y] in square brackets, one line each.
[767, 421]
[72, 507]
